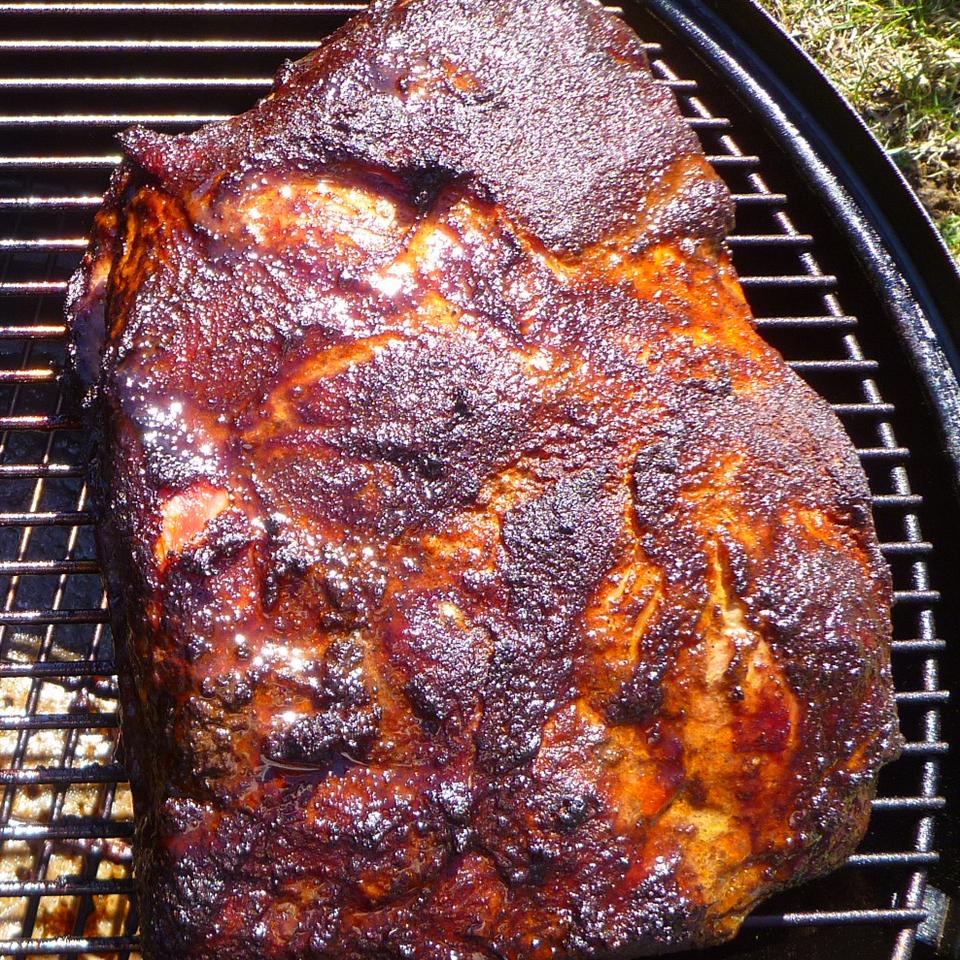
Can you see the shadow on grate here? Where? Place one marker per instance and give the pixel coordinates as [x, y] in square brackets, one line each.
[74, 74]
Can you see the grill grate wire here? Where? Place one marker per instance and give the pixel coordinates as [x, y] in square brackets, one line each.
[57, 674]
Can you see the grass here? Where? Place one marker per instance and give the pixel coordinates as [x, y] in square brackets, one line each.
[898, 61]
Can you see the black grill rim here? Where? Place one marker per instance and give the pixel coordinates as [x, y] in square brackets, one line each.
[914, 277]
[913, 284]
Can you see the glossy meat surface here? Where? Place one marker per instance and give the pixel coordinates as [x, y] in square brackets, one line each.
[485, 587]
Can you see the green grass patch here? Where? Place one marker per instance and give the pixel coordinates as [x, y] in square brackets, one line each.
[898, 61]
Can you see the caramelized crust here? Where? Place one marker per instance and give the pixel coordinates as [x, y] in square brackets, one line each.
[485, 586]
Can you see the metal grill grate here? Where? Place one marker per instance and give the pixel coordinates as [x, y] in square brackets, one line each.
[75, 73]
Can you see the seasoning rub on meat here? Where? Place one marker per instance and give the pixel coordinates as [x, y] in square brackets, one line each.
[484, 586]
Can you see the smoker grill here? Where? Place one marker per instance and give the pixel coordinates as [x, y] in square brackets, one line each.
[853, 304]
